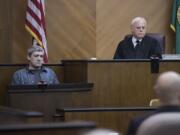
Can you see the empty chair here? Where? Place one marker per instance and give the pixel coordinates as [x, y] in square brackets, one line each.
[161, 124]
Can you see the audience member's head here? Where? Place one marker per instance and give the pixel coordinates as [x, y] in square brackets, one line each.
[167, 88]
[101, 132]
[138, 27]
[35, 57]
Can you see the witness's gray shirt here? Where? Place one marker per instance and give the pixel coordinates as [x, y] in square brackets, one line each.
[32, 77]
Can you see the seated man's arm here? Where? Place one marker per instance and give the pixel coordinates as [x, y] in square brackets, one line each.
[54, 79]
[15, 79]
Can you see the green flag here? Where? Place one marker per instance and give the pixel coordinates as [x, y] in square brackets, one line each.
[175, 23]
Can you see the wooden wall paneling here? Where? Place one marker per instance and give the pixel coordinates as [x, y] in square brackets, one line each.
[71, 29]
[117, 121]
[75, 72]
[6, 73]
[5, 30]
[168, 66]
[21, 39]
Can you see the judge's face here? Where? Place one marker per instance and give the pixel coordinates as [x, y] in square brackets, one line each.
[36, 59]
[138, 29]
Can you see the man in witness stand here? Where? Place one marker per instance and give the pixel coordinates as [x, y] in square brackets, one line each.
[35, 73]
[138, 45]
[167, 89]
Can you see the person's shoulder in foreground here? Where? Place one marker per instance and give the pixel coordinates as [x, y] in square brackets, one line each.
[167, 89]
[35, 73]
[138, 45]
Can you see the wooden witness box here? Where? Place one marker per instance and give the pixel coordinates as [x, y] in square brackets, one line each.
[46, 98]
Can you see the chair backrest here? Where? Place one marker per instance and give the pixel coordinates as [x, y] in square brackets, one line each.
[159, 37]
[161, 124]
[154, 102]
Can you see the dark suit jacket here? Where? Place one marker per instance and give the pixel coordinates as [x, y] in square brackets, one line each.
[148, 48]
[135, 123]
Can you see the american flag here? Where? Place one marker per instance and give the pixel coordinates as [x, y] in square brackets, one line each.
[35, 23]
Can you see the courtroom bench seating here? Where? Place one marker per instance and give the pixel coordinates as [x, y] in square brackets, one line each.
[63, 128]
[12, 115]
[106, 109]
[116, 118]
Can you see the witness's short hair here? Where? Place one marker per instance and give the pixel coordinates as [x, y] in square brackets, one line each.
[35, 48]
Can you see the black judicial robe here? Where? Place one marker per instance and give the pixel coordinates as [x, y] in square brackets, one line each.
[149, 47]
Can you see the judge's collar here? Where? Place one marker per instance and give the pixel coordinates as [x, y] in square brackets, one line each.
[134, 39]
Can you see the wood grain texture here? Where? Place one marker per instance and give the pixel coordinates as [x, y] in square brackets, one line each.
[81, 29]
[117, 121]
[71, 29]
[5, 30]
[114, 17]
[115, 83]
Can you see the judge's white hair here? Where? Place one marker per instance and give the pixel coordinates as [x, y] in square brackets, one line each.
[137, 19]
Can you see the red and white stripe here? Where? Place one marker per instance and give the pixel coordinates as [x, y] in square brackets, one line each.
[35, 23]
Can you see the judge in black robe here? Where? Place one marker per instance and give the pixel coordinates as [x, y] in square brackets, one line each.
[139, 45]
[146, 49]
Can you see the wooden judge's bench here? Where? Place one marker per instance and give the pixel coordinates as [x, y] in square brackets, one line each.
[118, 82]
[113, 83]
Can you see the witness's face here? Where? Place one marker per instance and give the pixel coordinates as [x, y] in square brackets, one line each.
[36, 60]
[139, 29]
